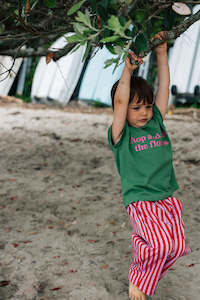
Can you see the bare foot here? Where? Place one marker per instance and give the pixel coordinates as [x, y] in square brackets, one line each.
[135, 293]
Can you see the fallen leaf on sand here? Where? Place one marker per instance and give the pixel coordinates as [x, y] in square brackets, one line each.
[72, 271]
[57, 288]
[191, 265]
[50, 227]
[4, 283]
[75, 186]
[7, 229]
[104, 267]
[112, 222]
[92, 241]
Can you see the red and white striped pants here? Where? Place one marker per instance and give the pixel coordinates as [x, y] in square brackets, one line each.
[158, 240]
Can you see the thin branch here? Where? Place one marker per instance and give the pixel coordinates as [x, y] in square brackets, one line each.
[6, 18]
[8, 71]
[49, 35]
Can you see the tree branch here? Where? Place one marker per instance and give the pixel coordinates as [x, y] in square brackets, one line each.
[30, 52]
[174, 33]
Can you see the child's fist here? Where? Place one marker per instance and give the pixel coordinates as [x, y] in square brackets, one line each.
[161, 36]
[133, 61]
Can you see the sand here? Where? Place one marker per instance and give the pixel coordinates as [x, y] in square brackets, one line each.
[65, 233]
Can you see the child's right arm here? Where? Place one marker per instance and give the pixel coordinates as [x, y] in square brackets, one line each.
[121, 98]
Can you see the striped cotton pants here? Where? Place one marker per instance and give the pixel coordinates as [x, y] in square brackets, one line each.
[158, 240]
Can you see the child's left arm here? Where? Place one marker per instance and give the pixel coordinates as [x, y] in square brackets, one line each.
[162, 95]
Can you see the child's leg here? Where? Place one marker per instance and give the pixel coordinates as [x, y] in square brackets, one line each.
[157, 242]
[179, 246]
[151, 242]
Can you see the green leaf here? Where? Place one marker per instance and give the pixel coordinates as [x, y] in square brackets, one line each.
[75, 48]
[75, 7]
[82, 43]
[93, 4]
[87, 51]
[114, 4]
[141, 43]
[34, 3]
[114, 24]
[79, 28]
[119, 43]
[74, 38]
[109, 62]
[50, 3]
[125, 54]
[134, 30]
[116, 65]
[84, 18]
[118, 50]
[122, 20]
[108, 39]
[110, 48]
[140, 15]
[104, 3]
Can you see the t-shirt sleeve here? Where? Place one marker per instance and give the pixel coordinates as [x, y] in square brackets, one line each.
[157, 114]
[110, 141]
[158, 117]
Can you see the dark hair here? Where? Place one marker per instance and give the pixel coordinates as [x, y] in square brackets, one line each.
[138, 86]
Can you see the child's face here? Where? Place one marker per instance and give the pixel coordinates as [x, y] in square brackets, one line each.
[139, 114]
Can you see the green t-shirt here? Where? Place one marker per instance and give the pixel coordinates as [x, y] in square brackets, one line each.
[144, 161]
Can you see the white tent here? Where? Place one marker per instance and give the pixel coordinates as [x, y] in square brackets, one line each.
[184, 59]
[57, 80]
[6, 78]
[97, 81]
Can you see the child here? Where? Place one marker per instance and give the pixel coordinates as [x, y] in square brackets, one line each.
[143, 155]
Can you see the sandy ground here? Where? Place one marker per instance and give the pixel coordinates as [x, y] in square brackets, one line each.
[65, 234]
